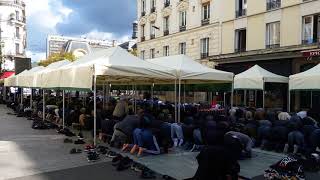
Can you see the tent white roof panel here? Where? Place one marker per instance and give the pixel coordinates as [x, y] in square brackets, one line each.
[190, 71]
[255, 77]
[307, 80]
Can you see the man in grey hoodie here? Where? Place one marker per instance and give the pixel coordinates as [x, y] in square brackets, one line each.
[123, 130]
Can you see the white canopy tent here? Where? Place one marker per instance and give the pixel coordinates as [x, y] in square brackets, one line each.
[113, 65]
[255, 79]
[189, 71]
[307, 80]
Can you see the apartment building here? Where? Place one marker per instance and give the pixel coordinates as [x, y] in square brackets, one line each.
[282, 36]
[171, 27]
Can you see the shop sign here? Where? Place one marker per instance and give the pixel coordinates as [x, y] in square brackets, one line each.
[313, 53]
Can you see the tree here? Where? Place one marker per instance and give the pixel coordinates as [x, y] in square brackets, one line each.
[57, 57]
[134, 52]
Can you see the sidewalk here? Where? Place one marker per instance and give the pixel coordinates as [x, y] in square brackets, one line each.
[24, 151]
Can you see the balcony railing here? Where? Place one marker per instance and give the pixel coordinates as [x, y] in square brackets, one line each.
[242, 49]
[166, 4]
[241, 12]
[143, 13]
[205, 22]
[143, 38]
[182, 28]
[166, 32]
[153, 9]
[272, 46]
[311, 41]
[152, 36]
[273, 5]
[204, 55]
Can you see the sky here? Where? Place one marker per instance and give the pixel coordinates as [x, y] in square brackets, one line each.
[97, 19]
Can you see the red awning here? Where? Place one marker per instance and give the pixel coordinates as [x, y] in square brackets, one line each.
[6, 74]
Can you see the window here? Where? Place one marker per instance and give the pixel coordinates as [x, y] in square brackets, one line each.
[273, 35]
[166, 26]
[273, 4]
[152, 55]
[166, 3]
[152, 30]
[17, 32]
[182, 20]
[153, 6]
[17, 15]
[241, 8]
[182, 48]
[240, 40]
[204, 44]
[311, 29]
[165, 50]
[143, 7]
[142, 53]
[142, 33]
[17, 48]
[205, 14]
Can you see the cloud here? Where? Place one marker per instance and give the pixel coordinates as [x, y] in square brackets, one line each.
[97, 19]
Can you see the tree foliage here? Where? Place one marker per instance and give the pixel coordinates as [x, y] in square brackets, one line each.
[57, 57]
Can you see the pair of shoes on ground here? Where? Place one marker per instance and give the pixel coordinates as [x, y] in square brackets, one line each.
[148, 174]
[75, 151]
[103, 149]
[93, 156]
[121, 163]
[67, 140]
[79, 141]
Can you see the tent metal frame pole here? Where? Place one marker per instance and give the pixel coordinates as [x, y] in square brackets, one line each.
[231, 98]
[245, 98]
[311, 102]
[21, 96]
[255, 98]
[184, 93]
[289, 101]
[95, 110]
[175, 101]
[43, 105]
[263, 94]
[63, 110]
[31, 98]
[104, 95]
[179, 102]
[224, 99]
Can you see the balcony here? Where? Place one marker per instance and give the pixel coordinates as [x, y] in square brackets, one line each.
[143, 38]
[166, 4]
[205, 22]
[153, 9]
[182, 28]
[311, 41]
[273, 5]
[272, 46]
[166, 32]
[241, 13]
[152, 36]
[143, 13]
[238, 50]
[204, 55]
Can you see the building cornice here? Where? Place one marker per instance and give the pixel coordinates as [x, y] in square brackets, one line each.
[263, 54]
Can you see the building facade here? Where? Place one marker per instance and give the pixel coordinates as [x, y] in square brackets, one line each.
[171, 27]
[13, 33]
[78, 46]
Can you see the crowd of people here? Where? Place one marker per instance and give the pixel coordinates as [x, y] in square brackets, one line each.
[227, 132]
